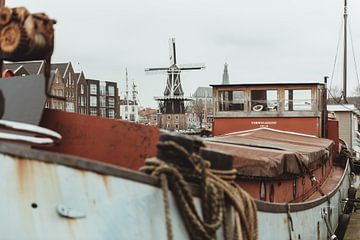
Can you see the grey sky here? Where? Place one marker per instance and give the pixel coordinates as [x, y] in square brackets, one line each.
[262, 40]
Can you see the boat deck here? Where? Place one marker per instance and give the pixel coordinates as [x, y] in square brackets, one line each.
[330, 183]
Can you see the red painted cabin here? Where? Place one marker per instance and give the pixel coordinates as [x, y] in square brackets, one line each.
[295, 107]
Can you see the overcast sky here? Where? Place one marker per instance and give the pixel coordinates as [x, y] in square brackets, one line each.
[262, 40]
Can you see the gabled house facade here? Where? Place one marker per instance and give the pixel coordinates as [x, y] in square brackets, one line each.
[82, 92]
[57, 88]
[67, 72]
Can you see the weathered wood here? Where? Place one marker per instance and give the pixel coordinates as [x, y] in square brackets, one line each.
[5, 15]
[25, 36]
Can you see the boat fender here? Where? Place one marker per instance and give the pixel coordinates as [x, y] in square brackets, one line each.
[349, 205]
[341, 228]
[258, 108]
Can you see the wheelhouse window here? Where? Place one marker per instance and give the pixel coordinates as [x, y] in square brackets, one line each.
[264, 100]
[231, 100]
[298, 100]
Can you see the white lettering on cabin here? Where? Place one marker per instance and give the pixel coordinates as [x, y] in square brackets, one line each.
[263, 124]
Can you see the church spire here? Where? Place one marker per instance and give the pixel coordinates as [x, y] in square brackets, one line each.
[225, 79]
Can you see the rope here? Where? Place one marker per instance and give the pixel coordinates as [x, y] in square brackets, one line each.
[165, 188]
[213, 190]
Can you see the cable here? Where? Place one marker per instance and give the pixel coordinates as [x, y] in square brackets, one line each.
[339, 102]
[353, 52]
[337, 51]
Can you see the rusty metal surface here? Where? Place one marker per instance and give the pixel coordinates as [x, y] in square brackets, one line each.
[113, 208]
[111, 141]
[108, 205]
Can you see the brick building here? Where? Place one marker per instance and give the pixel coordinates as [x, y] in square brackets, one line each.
[57, 88]
[68, 75]
[82, 92]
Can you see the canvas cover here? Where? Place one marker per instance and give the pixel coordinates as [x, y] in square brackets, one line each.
[267, 152]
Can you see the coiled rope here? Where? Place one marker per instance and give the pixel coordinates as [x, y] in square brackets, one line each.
[214, 193]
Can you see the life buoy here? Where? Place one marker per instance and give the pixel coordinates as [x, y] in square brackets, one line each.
[258, 108]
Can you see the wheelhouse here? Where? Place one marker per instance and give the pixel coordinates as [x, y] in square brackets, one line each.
[296, 107]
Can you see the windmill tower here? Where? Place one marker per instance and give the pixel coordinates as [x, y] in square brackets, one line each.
[172, 107]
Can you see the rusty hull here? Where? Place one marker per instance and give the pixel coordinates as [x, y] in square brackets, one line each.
[111, 141]
[120, 204]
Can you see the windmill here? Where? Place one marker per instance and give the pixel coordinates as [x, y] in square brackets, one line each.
[173, 100]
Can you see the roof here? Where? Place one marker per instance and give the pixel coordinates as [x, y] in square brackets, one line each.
[266, 152]
[32, 67]
[203, 92]
[343, 108]
[92, 80]
[266, 84]
[61, 66]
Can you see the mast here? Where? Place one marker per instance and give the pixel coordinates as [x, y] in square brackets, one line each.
[345, 51]
[127, 96]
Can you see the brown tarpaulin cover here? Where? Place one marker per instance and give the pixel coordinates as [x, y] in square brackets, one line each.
[266, 152]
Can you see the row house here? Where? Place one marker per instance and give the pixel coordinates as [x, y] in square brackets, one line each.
[68, 75]
[103, 98]
[84, 96]
[82, 93]
[57, 87]
[129, 110]
[149, 116]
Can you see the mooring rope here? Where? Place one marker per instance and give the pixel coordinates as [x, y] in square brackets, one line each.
[213, 190]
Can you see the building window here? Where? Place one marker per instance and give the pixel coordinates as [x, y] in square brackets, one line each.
[168, 117]
[103, 112]
[177, 117]
[93, 101]
[93, 111]
[102, 88]
[70, 107]
[111, 102]
[82, 89]
[112, 113]
[176, 126]
[93, 88]
[298, 100]
[231, 100]
[102, 101]
[111, 91]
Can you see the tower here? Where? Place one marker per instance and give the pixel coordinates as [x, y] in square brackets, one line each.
[172, 107]
[225, 79]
